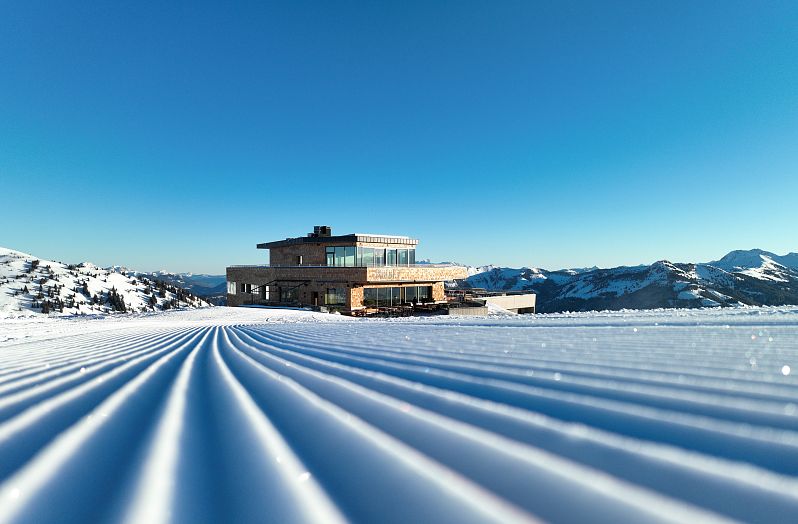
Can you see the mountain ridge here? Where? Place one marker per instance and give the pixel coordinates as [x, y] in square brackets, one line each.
[31, 286]
[741, 277]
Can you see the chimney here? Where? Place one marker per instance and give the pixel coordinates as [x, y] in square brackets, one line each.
[321, 231]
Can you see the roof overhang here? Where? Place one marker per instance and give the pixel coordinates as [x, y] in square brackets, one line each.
[341, 239]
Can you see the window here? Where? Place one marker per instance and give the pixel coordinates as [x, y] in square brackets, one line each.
[367, 258]
[252, 288]
[335, 296]
[352, 256]
[396, 296]
[349, 256]
[343, 256]
[231, 288]
[425, 293]
[388, 296]
[288, 294]
[299, 260]
[370, 296]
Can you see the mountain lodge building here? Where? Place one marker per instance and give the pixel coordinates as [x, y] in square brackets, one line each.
[355, 274]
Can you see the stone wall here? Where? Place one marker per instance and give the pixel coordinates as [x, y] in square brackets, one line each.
[438, 292]
[419, 273]
[355, 299]
[351, 279]
[312, 255]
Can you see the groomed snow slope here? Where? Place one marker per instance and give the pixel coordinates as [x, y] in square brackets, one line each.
[243, 415]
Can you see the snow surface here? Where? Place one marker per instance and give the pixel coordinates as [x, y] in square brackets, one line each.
[252, 415]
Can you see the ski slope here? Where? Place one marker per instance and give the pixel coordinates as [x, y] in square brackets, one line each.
[257, 415]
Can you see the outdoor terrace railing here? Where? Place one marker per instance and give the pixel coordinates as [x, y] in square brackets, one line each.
[431, 266]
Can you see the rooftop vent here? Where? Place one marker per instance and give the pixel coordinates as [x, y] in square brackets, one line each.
[321, 231]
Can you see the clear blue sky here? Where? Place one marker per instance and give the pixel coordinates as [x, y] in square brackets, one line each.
[552, 134]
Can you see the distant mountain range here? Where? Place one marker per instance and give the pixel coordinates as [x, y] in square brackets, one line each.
[753, 277]
[30, 285]
[212, 288]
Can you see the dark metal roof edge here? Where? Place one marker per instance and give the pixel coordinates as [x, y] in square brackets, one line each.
[339, 238]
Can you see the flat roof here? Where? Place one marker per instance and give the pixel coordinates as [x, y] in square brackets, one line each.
[340, 239]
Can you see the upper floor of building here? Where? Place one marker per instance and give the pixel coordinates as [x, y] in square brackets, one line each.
[322, 248]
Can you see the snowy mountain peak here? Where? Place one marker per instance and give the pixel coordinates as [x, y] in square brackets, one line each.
[744, 259]
[759, 264]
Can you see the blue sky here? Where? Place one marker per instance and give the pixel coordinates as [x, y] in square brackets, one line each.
[551, 134]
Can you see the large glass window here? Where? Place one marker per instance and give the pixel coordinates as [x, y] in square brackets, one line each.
[335, 296]
[389, 296]
[231, 288]
[368, 257]
[424, 293]
[349, 256]
[344, 256]
[370, 297]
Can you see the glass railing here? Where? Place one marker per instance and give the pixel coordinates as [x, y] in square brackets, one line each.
[345, 267]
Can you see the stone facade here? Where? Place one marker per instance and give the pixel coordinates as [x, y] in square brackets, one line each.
[312, 255]
[310, 284]
[418, 273]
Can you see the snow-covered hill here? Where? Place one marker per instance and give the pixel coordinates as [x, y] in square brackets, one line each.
[753, 277]
[31, 286]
